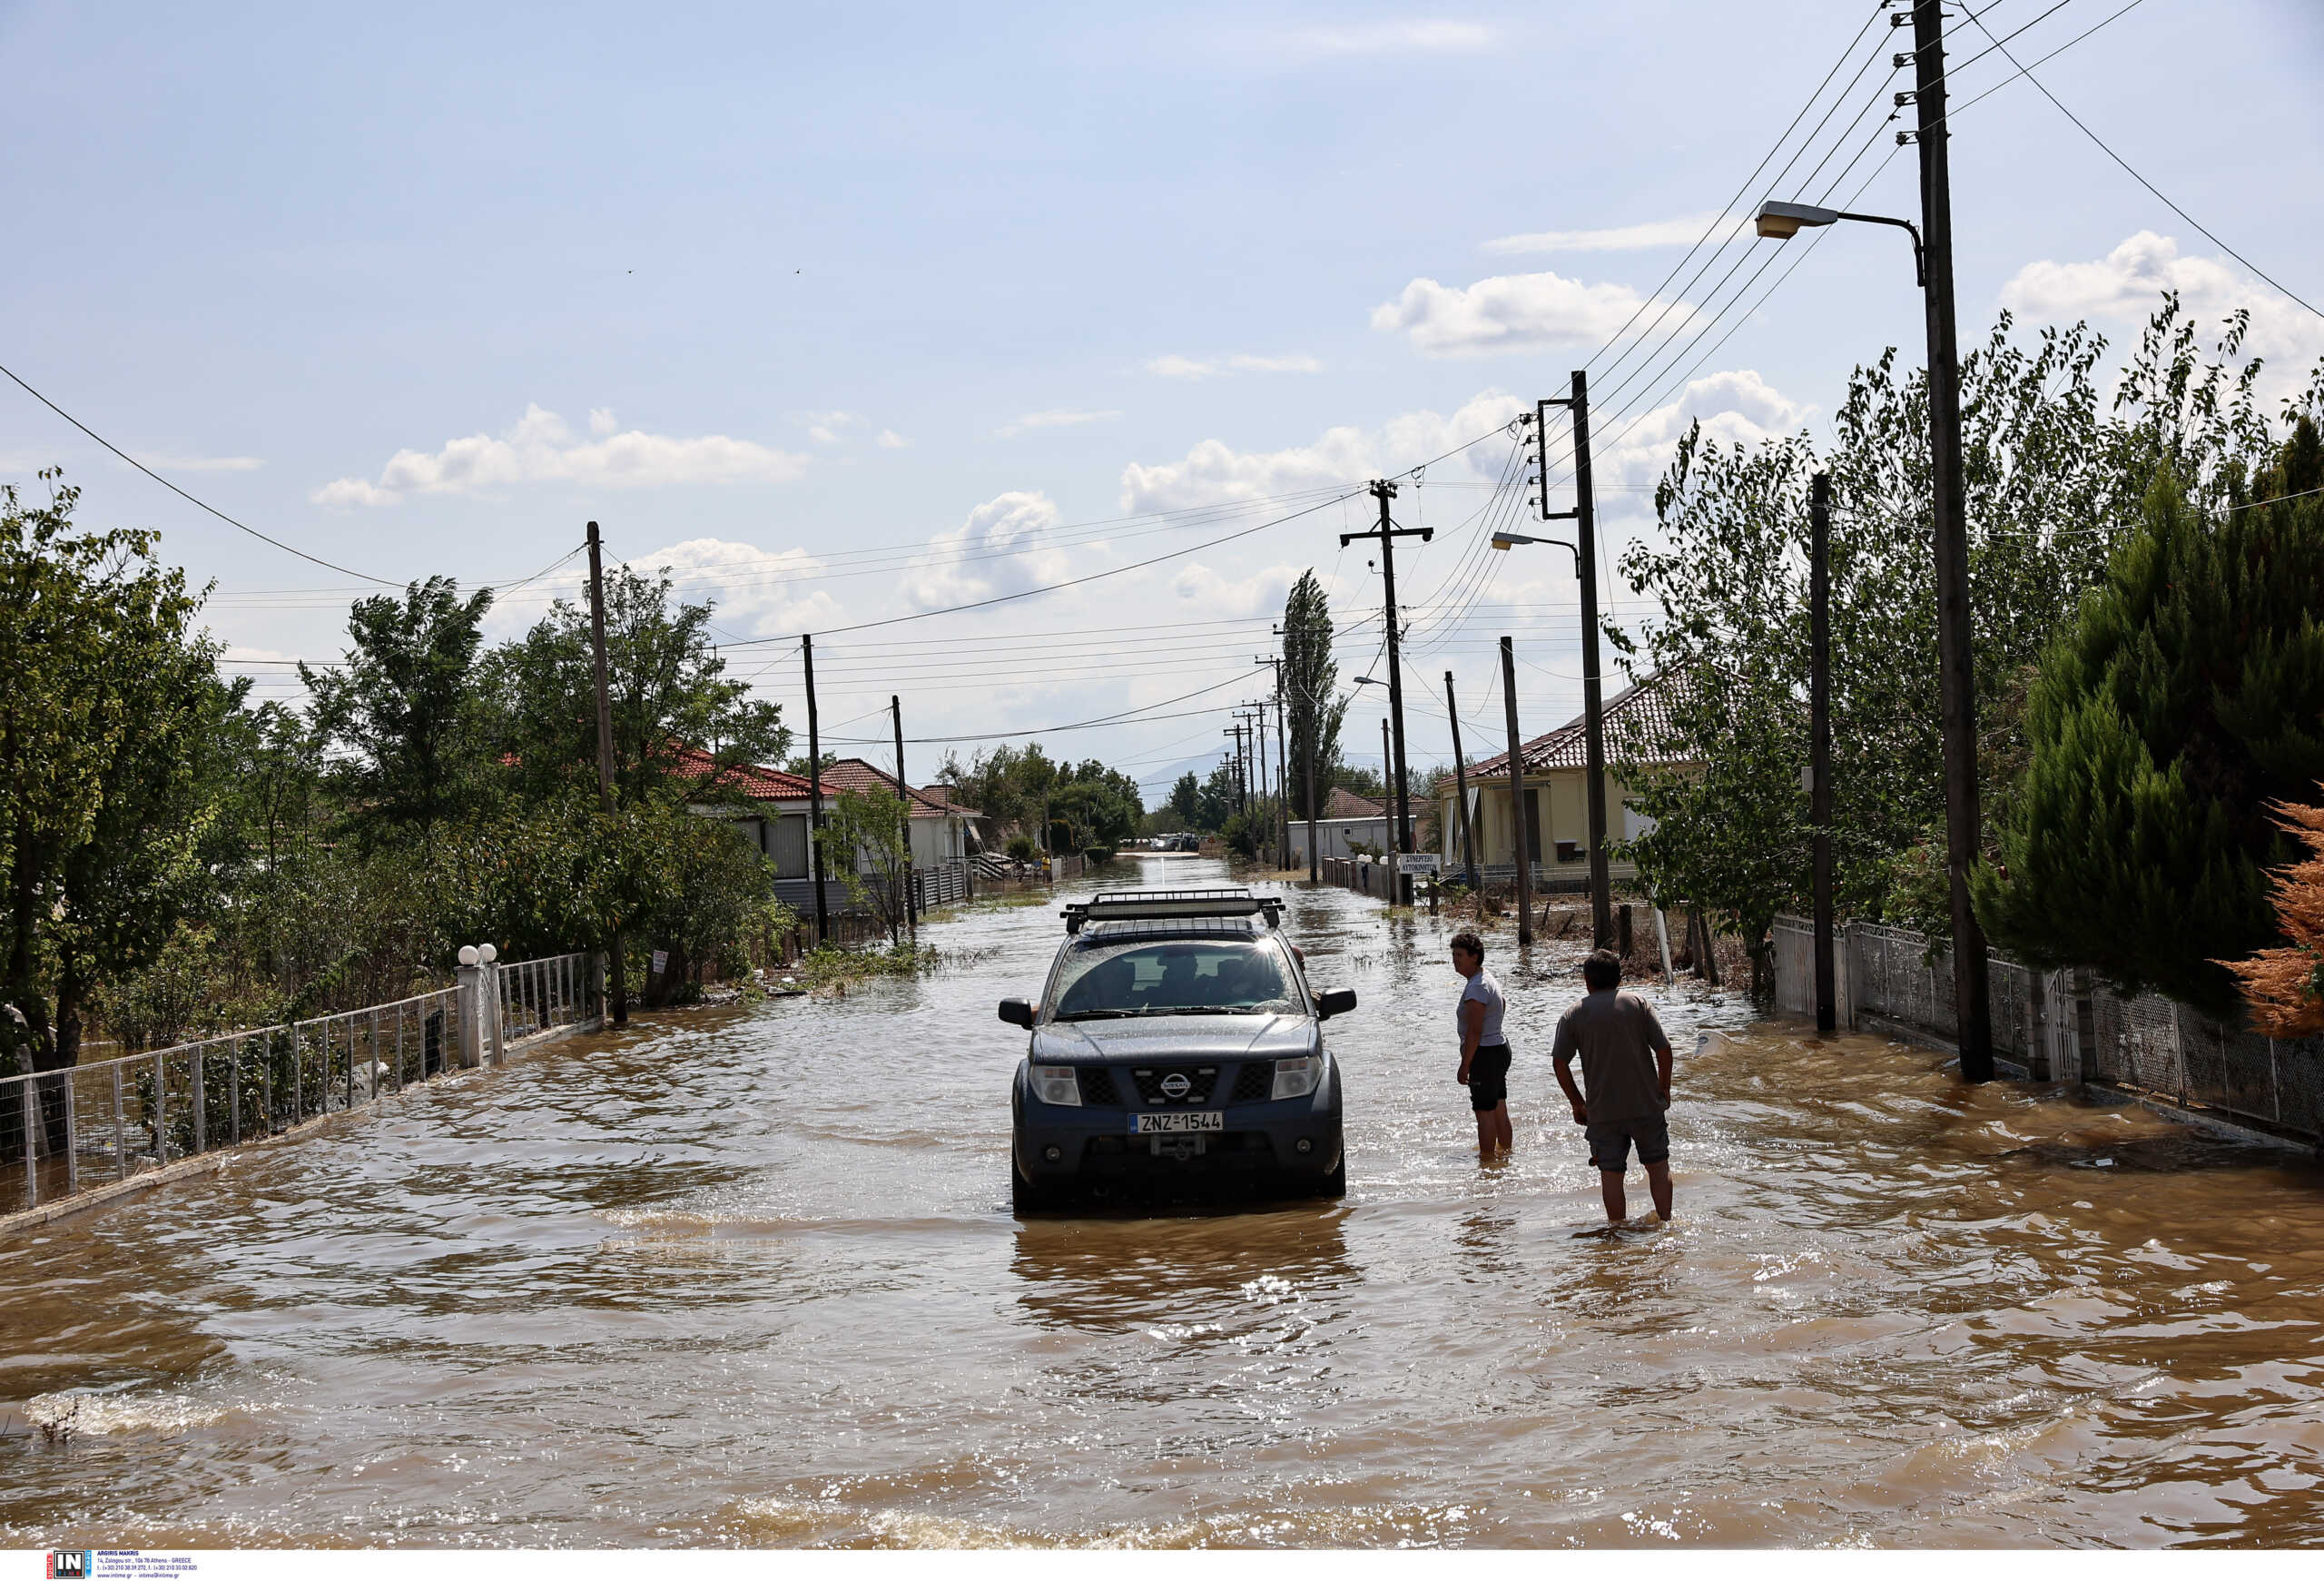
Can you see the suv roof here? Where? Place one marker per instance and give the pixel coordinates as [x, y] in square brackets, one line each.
[1173, 904]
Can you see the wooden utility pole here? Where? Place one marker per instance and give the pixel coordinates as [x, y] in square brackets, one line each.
[1955, 661]
[903, 792]
[1388, 533]
[1315, 731]
[1517, 796]
[1819, 734]
[1259, 751]
[1461, 785]
[815, 798]
[1584, 517]
[619, 967]
[1282, 776]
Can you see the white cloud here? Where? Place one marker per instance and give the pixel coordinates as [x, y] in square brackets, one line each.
[1177, 367]
[1214, 471]
[1420, 35]
[1229, 596]
[204, 463]
[1618, 239]
[601, 420]
[2126, 286]
[828, 428]
[1508, 312]
[542, 449]
[995, 551]
[889, 440]
[1055, 420]
[755, 590]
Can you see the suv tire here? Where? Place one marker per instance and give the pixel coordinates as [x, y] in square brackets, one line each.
[1334, 1185]
[1024, 1197]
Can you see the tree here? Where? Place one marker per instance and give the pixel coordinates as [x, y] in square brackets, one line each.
[2283, 987]
[90, 625]
[1313, 707]
[1220, 800]
[1186, 799]
[862, 844]
[2053, 483]
[667, 687]
[403, 707]
[2184, 700]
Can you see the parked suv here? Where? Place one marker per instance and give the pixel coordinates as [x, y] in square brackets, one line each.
[1174, 1043]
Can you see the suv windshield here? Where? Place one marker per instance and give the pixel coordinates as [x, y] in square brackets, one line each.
[1175, 977]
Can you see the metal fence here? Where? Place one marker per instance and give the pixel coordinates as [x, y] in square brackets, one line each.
[72, 1130]
[2062, 1024]
[946, 884]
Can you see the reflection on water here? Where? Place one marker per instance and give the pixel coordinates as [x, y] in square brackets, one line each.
[749, 1276]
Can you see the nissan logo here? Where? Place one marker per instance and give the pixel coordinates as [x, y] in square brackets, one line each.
[1174, 1086]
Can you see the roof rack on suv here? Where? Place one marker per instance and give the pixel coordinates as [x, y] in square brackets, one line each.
[1152, 904]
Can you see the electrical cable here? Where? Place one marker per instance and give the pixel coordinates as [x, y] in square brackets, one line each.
[164, 482]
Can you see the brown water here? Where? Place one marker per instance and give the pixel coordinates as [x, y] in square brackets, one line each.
[749, 1277]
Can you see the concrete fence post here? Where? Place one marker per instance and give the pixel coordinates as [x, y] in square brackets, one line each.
[469, 995]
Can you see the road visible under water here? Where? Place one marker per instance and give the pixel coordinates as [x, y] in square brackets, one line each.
[749, 1276]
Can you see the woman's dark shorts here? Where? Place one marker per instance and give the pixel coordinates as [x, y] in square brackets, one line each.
[1489, 1078]
[1609, 1145]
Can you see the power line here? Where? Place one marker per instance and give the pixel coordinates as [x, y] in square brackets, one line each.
[164, 482]
[2027, 73]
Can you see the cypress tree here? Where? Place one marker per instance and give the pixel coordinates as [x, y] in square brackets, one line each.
[2186, 695]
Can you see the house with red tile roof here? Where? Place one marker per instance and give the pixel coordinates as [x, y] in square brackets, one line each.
[942, 830]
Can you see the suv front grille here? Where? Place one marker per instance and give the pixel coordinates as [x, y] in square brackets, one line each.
[1200, 1080]
[1096, 1086]
[1255, 1082]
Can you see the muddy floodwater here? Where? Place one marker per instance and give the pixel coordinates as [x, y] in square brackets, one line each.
[749, 1276]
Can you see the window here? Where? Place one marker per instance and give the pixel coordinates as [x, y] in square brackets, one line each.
[789, 846]
[1174, 977]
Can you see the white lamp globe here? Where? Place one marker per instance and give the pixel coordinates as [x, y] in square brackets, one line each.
[468, 954]
[487, 954]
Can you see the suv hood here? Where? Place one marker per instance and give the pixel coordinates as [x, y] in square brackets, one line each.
[1177, 1037]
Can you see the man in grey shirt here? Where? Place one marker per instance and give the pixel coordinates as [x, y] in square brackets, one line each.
[1626, 1068]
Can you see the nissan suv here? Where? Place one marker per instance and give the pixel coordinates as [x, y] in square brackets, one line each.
[1175, 1043]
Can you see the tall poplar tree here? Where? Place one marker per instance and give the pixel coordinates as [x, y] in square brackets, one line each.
[1310, 690]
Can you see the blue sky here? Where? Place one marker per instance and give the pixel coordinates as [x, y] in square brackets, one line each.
[765, 288]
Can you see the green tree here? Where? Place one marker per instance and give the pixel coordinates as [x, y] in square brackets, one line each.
[403, 707]
[1220, 800]
[1186, 799]
[667, 687]
[2053, 482]
[863, 846]
[2185, 697]
[85, 620]
[1313, 707]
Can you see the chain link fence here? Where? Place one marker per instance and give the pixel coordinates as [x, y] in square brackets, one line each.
[2063, 1026]
[66, 1132]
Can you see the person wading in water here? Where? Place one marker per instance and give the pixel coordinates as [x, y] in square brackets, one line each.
[1626, 1066]
[1484, 1052]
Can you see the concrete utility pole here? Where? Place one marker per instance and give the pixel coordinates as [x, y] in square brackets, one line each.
[1281, 828]
[903, 792]
[1388, 533]
[1819, 736]
[1955, 661]
[815, 798]
[1461, 785]
[1517, 796]
[619, 966]
[1259, 751]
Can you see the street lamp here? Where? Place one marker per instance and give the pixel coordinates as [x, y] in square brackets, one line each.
[1956, 675]
[1506, 541]
[1784, 220]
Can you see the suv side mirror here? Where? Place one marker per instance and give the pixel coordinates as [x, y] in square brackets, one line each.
[1018, 1013]
[1338, 1001]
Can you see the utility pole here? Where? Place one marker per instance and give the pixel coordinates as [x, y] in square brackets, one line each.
[1315, 732]
[1461, 785]
[620, 964]
[1281, 774]
[903, 790]
[1584, 516]
[1388, 533]
[1819, 735]
[1259, 751]
[1956, 660]
[1517, 796]
[815, 799]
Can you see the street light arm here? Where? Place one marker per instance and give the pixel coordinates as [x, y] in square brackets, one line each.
[1920, 254]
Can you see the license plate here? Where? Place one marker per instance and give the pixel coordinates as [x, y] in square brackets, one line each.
[1179, 1123]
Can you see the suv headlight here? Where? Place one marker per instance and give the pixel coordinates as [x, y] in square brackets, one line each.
[1058, 1085]
[1297, 1078]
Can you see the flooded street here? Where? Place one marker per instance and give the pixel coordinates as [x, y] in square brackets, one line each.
[749, 1276]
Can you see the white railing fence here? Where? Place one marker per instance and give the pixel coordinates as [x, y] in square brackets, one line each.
[64, 1132]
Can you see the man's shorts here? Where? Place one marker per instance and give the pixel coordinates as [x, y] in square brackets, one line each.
[1609, 1144]
[1489, 1078]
